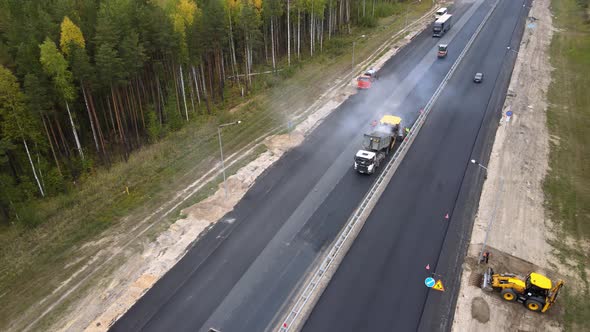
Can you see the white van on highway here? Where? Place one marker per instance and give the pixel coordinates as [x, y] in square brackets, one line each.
[440, 13]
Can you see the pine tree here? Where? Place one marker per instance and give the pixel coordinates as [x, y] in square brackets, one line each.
[56, 67]
[17, 124]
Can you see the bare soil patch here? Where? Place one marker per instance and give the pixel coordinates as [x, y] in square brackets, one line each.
[480, 310]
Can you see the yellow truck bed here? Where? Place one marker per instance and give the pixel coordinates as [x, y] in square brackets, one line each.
[391, 120]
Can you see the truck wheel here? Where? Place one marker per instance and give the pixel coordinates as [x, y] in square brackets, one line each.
[533, 305]
[508, 294]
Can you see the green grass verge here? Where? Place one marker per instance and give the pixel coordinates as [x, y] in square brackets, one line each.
[567, 185]
[35, 261]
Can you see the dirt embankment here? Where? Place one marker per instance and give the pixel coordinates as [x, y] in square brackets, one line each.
[512, 200]
[169, 247]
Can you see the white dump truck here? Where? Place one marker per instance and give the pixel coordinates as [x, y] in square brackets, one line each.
[378, 143]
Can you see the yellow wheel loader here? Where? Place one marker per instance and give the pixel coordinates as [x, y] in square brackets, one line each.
[536, 292]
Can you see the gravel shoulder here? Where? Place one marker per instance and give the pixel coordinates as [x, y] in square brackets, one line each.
[513, 198]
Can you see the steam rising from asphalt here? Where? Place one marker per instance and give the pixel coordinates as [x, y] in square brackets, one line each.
[400, 91]
[403, 97]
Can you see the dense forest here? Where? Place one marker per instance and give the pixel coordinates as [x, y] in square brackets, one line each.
[83, 83]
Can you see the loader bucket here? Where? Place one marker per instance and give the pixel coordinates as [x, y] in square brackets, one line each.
[486, 283]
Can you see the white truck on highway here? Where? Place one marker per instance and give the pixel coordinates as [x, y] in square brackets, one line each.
[442, 25]
[378, 143]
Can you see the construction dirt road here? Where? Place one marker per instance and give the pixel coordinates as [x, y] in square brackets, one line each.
[511, 207]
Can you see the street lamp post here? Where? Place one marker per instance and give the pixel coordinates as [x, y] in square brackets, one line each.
[492, 218]
[221, 151]
[406, 22]
[510, 49]
[353, 44]
[473, 161]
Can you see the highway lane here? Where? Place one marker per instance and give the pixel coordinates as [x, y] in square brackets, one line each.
[380, 284]
[238, 275]
[439, 311]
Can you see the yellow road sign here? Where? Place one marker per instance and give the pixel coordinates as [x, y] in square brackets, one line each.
[439, 286]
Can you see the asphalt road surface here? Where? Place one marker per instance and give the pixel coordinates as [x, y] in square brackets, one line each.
[238, 276]
[380, 284]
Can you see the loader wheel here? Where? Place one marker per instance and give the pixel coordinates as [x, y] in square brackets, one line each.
[533, 305]
[508, 294]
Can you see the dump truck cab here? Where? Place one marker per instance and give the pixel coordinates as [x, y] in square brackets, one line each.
[442, 50]
[378, 143]
[366, 80]
[366, 161]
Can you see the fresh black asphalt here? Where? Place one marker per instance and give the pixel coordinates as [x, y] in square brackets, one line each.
[380, 284]
[239, 274]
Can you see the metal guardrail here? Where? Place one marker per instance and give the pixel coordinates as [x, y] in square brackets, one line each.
[375, 190]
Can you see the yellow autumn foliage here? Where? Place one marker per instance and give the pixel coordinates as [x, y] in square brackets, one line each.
[258, 4]
[70, 33]
[232, 4]
[186, 9]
